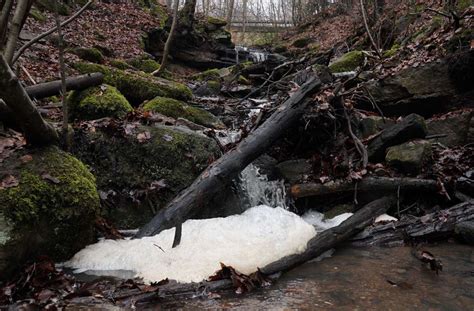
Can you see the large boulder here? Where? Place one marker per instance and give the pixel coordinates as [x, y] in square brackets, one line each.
[348, 62]
[371, 125]
[48, 205]
[411, 127]
[452, 128]
[294, 170]
[98, 102]
[427, 89]
[409, 157]
[177, 109]
[140, 168]
[137, 87]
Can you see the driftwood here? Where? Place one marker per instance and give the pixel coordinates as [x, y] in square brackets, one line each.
[366, 184]
[80, 82]
[434, 226]
[217, 176]
[37, 131]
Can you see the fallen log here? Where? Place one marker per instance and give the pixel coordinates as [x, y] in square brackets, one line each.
[37, 131]
[221, 173]
[434, 226]
[322, 242]
[80, 82]
[366, 184]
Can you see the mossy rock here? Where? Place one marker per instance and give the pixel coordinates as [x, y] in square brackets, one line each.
[409, 157]
[89, 54]
[392, 52]
[128, 166]
[159, 11]
[301, 42]
[37, 15]
[210, 74]
[98, 102]
[462, 5]
[461, 40]
[214, 85]
[243, 80]
[48, 5]
[177, 109]
[120, 64]
[280, 48]
[147, 65]
[221, 36]
[50, 212]
[216, 21]
[137, 87]
[348, 62]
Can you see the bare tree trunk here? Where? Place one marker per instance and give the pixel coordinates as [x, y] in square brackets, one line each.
[4, 17]
[187, 13]
[230, 11]
[36, 130]
[20, 11]
[169, 41]
[244, 18]
[62, 69]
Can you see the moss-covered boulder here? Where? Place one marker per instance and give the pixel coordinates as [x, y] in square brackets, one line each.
[89, 54]
[409, 157]
[210, 74]
[147, 65]
[301, 42]
[48, 5]
[137, 87]
[177, 109]
[348, 62]
[37, 15]
[48, 204]
[98, 102]
[216, 21]
[142, 169]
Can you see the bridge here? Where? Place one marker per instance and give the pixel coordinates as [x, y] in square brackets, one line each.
[260, 26]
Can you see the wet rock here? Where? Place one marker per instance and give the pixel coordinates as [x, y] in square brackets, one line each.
[267, 166]
[294, 170]
[48, 207]
[371, 125]
[140, 170]
[427, 89]
[411, 127]
[177, 109]
[455, 126]
[338, 210]
[465, 231]
[98, 102]
[409, 157]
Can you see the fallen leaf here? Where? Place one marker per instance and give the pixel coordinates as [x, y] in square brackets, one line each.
[50, 178]
[9, 181]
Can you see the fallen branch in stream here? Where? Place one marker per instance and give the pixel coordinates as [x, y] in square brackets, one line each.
[366, 184]
[432, 226]
[221, 173]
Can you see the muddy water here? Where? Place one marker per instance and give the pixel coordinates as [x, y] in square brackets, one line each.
[358, 279]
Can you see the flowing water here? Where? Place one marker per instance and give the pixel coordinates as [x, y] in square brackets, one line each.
[350, 279]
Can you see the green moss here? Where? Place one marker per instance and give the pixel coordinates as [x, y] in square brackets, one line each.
[48, 5]
[160, 12]
[138, 87]
[392, 52]
[461, 40]
[221, 36]
[120, 64]
[280, 48]
[125, 164]
[178, 109]
[210, 74]
[243, 80]
[98, 102]
[56, 201]
[216, 21]
[146, 65]
[214, 85]
[37, 15]
[462, 5]
[348, 62]
[89, 54]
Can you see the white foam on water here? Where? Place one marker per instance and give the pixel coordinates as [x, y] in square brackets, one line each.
[385, 218]
[257, 237]
[317, 220]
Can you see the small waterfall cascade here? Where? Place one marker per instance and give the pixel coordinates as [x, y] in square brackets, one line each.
[258, 190]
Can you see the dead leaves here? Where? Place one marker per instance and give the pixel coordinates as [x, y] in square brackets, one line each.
[241, 282]
[9, 181]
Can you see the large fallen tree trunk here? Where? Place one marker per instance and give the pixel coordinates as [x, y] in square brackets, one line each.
[221, 173]
[36, 130]
[432, 226]
[81, 82]
[366, 184]
[322, 242]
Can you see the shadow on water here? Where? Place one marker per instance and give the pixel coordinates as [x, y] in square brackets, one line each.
[363, 279]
